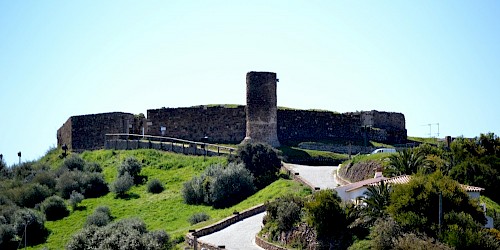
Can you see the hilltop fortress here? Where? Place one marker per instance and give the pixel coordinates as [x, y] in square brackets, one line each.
[260, 120]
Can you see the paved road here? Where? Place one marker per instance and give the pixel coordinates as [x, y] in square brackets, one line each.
[240, 235]
[319, 176]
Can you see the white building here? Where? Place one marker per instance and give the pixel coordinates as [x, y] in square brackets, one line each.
[354, 191]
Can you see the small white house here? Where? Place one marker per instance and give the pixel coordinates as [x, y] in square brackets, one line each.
[355, 190]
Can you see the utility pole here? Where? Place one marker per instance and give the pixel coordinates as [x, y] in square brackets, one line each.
[440, 211]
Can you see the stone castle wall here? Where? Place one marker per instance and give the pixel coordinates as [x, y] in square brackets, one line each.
[228, 125]
[87, 132]
[219, 124]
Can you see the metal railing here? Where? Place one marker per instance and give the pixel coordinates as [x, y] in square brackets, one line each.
[170, 143]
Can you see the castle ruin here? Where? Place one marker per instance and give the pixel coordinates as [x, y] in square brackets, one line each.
[260, 120]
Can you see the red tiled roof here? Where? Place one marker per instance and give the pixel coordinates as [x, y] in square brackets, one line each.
[403, 179]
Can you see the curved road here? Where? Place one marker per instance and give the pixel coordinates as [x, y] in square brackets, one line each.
[319, 176]
[241, 235]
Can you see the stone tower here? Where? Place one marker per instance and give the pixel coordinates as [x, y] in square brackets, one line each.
[261, 109]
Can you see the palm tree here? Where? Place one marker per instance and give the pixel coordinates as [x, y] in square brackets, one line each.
[406, 162]
[375, 201]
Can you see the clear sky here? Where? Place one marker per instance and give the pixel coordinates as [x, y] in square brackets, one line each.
[433, 61]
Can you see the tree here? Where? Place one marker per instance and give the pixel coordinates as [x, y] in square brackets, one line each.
[415, 205]
[406, 162]
[326, 216]
[376, 200]
[261, 160]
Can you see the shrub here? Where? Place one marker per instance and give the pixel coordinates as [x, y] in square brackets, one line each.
[92, 167]
[24, 171]
[261, 160]
[91, 185]
[7, 236]
[46, 178]
[74, 199]
[198, 217]
[68, 182]
[131, 166]
[219, 186]
[94, 185]
[33, 221]
[122, 184]
[74, 162]
[322, 210]
[123, 234]
[231, 186]
[54, 208]
[155, 186]
[194, 192]
[284, 212]
[101, 217]
[29, 195]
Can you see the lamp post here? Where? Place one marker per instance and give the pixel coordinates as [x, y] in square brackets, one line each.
[19, 154]
[65, 148]
[204, 140]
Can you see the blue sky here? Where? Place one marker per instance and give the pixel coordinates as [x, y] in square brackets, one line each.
[434, 61]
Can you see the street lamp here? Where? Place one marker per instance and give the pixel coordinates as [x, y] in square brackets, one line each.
[19, 154]
[65, 148]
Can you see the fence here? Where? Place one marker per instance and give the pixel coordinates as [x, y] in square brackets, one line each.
[135, 141]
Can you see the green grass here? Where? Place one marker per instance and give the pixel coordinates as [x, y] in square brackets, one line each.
[311, 157]
[380, 145]
[433, 141]
[166, 210]
[491, 206]
[382, 157]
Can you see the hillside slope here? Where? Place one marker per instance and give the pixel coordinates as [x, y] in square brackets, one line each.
[159, 211]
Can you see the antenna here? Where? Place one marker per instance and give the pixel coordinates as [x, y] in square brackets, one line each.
[430, 129]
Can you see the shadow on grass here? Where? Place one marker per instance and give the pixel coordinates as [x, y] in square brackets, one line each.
[80, 208]
[128, 196]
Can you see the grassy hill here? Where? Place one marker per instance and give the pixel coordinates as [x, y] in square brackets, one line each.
[159, 211]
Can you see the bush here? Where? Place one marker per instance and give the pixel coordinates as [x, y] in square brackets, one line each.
[198, 217]
[219, 186]
[123, 234]
[68, 182]
[33, 221]
[155, 186]
[46, 178]
[29, 195]
[74, 199]
[231, 186]
[54, 208]
[131, 166]
[92, 167]
[7, 236]
[122, 184]
[285, 211]
[94, 185]
[193, 191]
[101, 217]
[261, 160]
[322, 210]
[91, 185]
[74, 162]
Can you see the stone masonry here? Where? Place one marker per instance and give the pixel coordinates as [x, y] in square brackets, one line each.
[261, 109]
